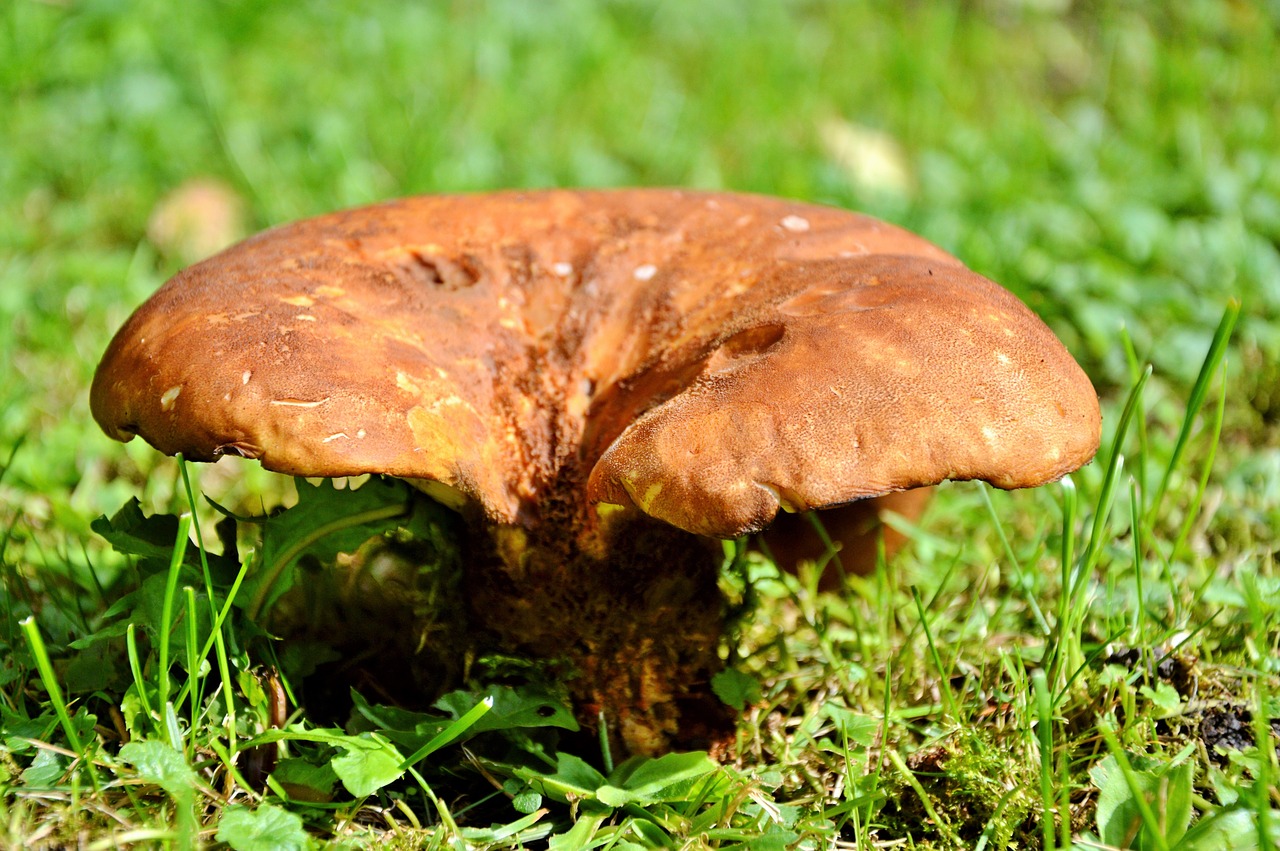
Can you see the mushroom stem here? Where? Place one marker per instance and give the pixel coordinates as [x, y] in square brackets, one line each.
[633, 605]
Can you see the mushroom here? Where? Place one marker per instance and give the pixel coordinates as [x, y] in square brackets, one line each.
[604, 383]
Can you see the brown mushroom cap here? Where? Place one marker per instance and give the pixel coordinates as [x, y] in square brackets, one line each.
[707, 357]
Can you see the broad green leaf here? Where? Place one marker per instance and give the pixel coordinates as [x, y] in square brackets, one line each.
[113, 630]
[131, 532]
[161, 764]
[45, 770]
[511, 708]
[94, 668]
[652, 834]
[1165, 698]
[572, 777]
[327, 521]
[579, 836]
[305, 781]
[18, 732]
[857, 728]
[268, 828]
[367, 763]
[1168, 788]
[1234, 828]
[775, 838]
[387, 718]
[526, 802]
[735, 689]
[652, 780]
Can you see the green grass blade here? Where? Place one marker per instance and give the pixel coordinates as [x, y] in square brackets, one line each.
[35, 642]
[450, 733]
[1044, 730]
[166, 615]
[1199, 391]
[944, 681]
[215, 635]
[1135, 519]
[1115, 462]
[1027, 596]
[1197, 499]
[135, 666]
[1135, 374]
[193, 658]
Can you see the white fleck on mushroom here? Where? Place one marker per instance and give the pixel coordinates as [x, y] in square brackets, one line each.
[169, 397]
[645, 272]
[298, 403]
[796, 224]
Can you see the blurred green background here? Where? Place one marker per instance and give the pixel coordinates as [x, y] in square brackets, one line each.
[1117, 164]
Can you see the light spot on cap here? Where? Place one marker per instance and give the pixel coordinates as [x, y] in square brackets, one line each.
[299, 300]
[305, 317]
[796, 224]
[170, 395]
[564, 270]
[645, 272]
[299, 403]
[342, 435]
[244, 379]
[360, 434]
[1003, 358]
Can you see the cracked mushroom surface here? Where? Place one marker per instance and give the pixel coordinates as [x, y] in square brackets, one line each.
[701, 359]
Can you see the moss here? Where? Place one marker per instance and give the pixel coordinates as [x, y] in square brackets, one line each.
[980, 781]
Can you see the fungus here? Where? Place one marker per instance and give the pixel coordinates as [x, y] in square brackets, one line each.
[603, 383]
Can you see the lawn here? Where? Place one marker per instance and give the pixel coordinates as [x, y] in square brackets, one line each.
[1095, 663]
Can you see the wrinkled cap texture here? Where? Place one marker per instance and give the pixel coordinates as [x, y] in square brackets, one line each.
[708, 358]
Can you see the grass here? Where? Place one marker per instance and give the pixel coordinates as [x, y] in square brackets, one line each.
[1092, 664]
